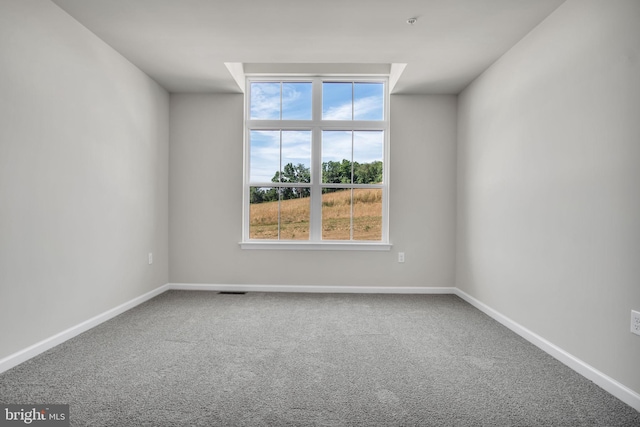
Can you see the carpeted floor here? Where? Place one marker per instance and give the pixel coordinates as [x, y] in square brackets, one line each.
[189, 358]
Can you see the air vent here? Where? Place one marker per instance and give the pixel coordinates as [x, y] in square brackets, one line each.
[231, 293]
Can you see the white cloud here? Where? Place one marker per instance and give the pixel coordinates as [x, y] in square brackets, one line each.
[265, 100]
[336, 146]
[296, 147]
[340, 112]
[367, 108]
[265, 155]
[265, 152]
[289, 93]
[367, 146]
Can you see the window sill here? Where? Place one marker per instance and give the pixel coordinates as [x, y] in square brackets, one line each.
[316, 246]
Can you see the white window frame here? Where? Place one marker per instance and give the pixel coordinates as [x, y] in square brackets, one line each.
[316, 125]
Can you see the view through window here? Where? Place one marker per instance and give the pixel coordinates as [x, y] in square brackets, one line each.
[315, 160]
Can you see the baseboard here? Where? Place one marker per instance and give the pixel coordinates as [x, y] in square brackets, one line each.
[607, 383]
[313, 289]
[612, 386]
[44, 345]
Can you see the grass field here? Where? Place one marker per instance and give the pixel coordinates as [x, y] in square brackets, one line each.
[336, 217]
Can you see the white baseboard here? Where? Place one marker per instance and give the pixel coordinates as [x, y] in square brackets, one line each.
[23, 355]
[612, 386]
[44, 345]
[313, 289]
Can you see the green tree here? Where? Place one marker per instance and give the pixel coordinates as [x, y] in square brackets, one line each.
[332, 172]
[336, 172]
[256, 195]
[367, 173]
[260, 195]
[293, 173]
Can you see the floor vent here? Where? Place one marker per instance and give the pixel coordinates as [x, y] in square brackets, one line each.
[231, 293]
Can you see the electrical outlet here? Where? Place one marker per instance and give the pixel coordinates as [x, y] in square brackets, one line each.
[635, 322]
[150, 258]
[400, 256]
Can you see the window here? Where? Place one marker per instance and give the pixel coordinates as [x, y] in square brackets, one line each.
[316, 163]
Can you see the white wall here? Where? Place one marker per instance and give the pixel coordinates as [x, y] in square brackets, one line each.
[83, 175]
[548, 184]
[547, 210]
[206, 202]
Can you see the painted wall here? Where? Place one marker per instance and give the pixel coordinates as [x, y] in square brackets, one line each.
[548, 228]
[83, 176]
[206, 202]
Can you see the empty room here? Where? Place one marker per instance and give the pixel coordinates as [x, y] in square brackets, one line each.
[336, 213]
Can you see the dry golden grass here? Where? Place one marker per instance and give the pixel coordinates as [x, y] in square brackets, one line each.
[263, 222]
[336, 212]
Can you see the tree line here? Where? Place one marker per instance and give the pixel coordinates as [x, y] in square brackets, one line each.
[332, 173]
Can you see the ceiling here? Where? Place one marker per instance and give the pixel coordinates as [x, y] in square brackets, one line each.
[184, 44]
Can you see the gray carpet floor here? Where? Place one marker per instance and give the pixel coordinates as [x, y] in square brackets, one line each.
[189, 358]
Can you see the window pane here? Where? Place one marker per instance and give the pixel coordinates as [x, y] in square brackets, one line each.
[369, 101]
[265, 155]
[296, 101]
[367, 214]
[284, 119]
[336, 214]
[337, 101]
[265, 101]
[368, 147]
[336, 156]
[296, 156]
[294, 216]
[263, 213]
[279, 213]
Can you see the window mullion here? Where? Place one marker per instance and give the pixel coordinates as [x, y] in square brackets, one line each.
[353, 101]
[315, 220]
[246, 189]
[316, 187]
[352, 172]
[280, 100]
[280, 182]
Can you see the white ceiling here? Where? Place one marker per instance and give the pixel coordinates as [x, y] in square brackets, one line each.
[184, 44]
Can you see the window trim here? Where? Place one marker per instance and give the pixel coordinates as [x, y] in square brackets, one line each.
[316, 125]
[325, 245]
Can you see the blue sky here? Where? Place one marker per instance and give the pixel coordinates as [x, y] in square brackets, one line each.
[296, 101]
[341, 101]
[265, 152]
[366, 99]
[338, 100]
[367, 146]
